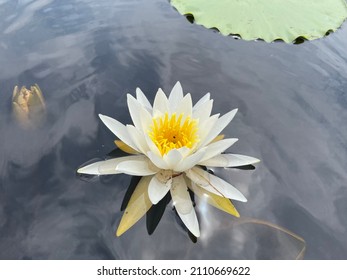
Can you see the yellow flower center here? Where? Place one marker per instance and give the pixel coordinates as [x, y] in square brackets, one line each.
[172, 132]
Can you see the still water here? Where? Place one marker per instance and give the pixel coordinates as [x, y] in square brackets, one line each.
[87, 55]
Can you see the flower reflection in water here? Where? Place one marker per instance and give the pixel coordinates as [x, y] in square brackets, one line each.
[28, 106]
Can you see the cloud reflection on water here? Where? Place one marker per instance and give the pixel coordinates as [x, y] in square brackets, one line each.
[87, 55]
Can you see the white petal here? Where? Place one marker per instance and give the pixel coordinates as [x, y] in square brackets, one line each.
[203, 112]
[106, 167]
[157, 189]
[142, 119]
[146, 120]
[214, 184]
[134, 110]
[229, 160]
[175, 96]
[205, 128]
[138, 139]
[161, 104]
[173, 158]
[183, 205]
[185, 106]
[184, 151]
[137, 167]
[202, 101]
[154, 149]
[190, 161]
[191, 221]
[118, 129]
[218, 147]
[158, 161]
[220, 124]
[180, 195]
[198, 176]
[93, 169]
[143, 99]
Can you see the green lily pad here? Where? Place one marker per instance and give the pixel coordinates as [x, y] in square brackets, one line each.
[269, 20]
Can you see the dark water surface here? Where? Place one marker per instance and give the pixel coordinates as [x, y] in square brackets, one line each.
[86, 55]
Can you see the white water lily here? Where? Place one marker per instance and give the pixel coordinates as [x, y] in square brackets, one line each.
[170, 144]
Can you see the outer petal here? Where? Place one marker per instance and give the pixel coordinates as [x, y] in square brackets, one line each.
[138, 205]
[175, 96]
[203, 112]
[214, 184]
[141, 167]
[134, 110]
[158, 189]
[161, 104]
[217, 148]
[185, 106]
[190, 161]
[118, 129]
[220, 124]
[217, 201]
[138, 139]
[157, 160]
[184, 151]
[146, 120]
[183, 205]
[173, 158]
[124, 147]
[106, 167]
[218, 138]
[205, 128]
[143, 99]
[229, 160]
[201, 102]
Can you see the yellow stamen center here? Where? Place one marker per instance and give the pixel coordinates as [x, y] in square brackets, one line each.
[172, 132]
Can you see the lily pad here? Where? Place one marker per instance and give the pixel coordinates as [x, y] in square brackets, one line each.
[269, 20]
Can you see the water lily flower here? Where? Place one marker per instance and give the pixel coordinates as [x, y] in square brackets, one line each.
[170, 145]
